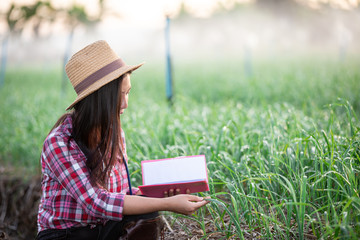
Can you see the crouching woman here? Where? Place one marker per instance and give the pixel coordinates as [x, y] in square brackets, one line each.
[85, 179]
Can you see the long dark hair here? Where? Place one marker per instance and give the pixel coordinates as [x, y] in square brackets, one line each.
[97, 130]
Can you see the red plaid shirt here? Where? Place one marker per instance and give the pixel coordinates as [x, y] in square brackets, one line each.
[68, 198]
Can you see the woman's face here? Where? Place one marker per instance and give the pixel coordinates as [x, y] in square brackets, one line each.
[125, 90]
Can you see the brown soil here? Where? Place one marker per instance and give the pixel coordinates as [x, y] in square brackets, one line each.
[19, 201]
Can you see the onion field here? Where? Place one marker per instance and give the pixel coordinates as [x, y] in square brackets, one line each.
[282, 142]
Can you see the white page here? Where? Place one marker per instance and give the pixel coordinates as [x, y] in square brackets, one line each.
[174, 170]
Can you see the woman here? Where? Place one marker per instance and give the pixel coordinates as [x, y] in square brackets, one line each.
[85, 188]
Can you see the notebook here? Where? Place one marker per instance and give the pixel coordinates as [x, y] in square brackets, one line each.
[188, 172]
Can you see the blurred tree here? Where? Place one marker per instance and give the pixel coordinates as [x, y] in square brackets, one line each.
[76, 15]
[41, 12]
[37, 14]
[338, 4]
[13, 22]
[17, 17]
[279, 6]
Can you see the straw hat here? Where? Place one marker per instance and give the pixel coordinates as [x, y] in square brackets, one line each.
[93, 67]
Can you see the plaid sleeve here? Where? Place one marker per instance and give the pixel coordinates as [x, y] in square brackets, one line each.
[68, 165]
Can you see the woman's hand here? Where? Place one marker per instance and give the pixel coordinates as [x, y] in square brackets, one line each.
[185, 204]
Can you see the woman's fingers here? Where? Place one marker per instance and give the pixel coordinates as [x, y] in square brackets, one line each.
[186, 204]
[173, 192]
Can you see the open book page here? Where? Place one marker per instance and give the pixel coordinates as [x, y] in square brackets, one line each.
[183, 173]
[175, 170]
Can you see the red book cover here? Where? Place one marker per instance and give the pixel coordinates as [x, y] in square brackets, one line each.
[188, 172]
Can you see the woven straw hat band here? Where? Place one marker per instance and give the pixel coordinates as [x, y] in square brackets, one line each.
[102, 72]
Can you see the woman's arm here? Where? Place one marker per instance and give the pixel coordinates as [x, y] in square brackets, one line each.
[184, 203]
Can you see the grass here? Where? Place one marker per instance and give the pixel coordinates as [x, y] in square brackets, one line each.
[282, 145]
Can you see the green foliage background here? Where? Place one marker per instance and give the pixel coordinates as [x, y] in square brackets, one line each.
[282, 143]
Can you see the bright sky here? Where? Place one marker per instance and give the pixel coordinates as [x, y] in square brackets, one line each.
[151, 14]
[140, 9]
[146, 13]
[136, 13]
[140, 19]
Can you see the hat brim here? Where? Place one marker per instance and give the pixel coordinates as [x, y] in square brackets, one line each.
[103, 81]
